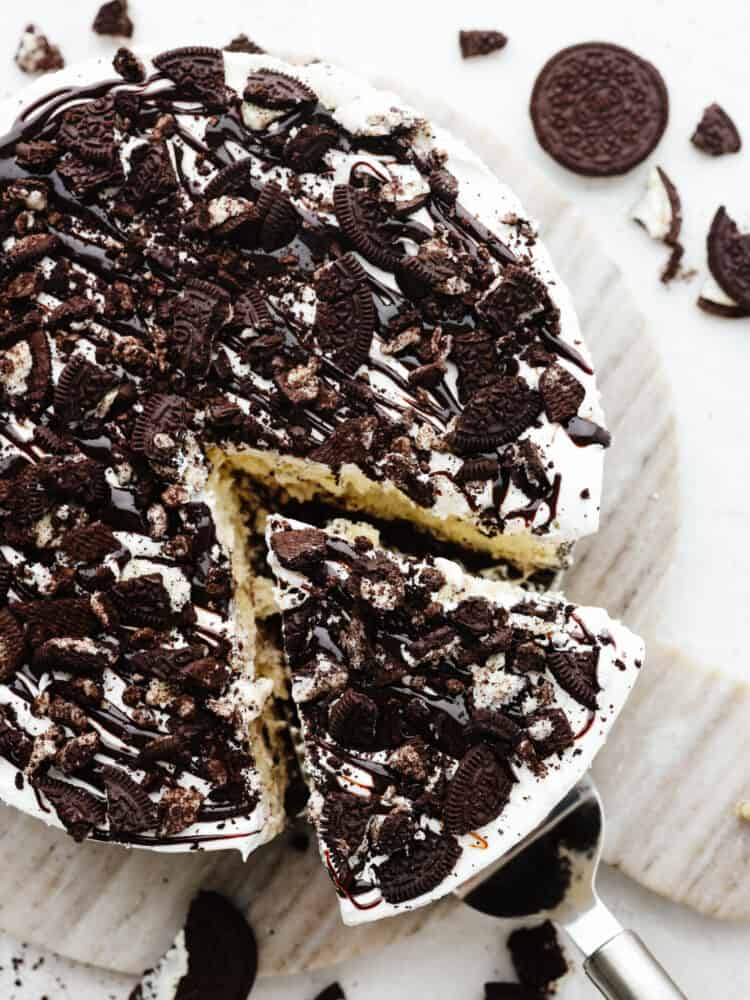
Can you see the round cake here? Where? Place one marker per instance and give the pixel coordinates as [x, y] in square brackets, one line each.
[219, 264]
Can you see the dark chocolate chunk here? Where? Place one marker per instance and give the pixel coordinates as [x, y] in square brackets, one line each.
[477, 792]
[77, 809]
[129, 66]
[481, 43]
[129, 809]
[270, 89]
[716, 133]
[478, 469]
[198, 72]
[353, 719]
[419, 869]
[562, 394]
[497, 414]
[112, 19]
[729, 257]
[537, 956]
[599, 109]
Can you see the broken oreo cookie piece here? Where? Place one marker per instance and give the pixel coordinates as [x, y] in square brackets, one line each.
[716, 133]
[660, 213]
[729, 257]
[481, 43]
[112, 19]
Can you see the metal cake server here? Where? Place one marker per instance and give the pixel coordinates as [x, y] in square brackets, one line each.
[616, 960]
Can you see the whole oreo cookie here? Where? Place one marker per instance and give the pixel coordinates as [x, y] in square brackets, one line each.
[599, 109]
[729, 257]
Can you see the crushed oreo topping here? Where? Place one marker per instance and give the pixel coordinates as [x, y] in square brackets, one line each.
[427, 701]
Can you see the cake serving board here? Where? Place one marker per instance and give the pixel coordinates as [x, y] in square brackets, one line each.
[120, 909]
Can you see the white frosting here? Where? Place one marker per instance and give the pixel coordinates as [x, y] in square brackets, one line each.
[532, 797]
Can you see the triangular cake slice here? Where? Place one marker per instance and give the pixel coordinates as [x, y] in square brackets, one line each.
[443, 715]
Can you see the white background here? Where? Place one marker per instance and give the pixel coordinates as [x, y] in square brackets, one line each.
[701, 48]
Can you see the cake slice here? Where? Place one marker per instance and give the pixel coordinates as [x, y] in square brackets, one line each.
[443, 715]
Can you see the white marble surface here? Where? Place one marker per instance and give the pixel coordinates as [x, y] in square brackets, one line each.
[701, 50]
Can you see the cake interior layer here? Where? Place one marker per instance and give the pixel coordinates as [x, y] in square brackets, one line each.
[267, 733]
[352, 491]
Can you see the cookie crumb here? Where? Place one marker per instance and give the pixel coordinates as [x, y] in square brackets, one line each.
[36, 54]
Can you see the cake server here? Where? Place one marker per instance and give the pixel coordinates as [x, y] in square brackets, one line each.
[616, 960]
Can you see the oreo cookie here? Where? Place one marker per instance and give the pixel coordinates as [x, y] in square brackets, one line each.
[599, 109]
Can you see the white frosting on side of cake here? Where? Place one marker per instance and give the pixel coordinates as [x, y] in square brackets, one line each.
[532, 797]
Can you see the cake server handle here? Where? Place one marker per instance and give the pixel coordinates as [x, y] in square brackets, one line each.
[624, 969]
